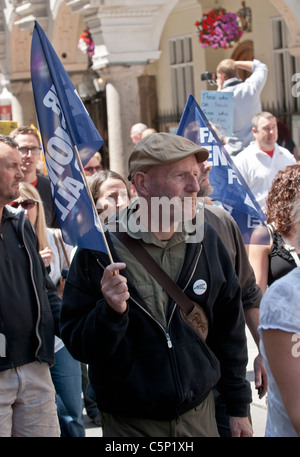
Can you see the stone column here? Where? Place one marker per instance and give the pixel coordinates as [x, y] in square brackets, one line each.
[123, 110]
[23, 107]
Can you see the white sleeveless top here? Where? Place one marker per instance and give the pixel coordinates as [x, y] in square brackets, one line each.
[280, 309]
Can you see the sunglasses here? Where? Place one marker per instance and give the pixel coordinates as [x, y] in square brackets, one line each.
[93, 169]
[26, 204]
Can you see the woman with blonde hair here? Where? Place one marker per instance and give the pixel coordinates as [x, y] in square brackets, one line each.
[66, 373]
[32, 204]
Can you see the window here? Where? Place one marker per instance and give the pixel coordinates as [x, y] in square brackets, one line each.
[181, 71]
[284, 67]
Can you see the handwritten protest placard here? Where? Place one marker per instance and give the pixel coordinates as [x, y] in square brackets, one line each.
[218, 108]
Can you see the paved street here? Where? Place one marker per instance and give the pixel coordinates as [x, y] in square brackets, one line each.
[90, 428]
[258, 407]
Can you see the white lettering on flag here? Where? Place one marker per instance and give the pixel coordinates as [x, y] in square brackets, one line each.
[60, 153]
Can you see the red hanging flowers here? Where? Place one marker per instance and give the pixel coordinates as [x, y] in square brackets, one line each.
[86, 43]
[219, 29]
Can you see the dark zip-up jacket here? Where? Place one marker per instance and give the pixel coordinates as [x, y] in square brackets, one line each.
[138, 368]
[47, 302]
[227, 229]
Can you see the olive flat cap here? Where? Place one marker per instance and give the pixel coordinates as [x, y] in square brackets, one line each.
[162, 148]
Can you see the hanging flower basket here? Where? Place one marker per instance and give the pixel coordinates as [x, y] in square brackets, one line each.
[86, 43]
[219, 29]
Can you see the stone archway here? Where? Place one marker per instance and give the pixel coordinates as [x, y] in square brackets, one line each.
[290, 11]
[244, 51]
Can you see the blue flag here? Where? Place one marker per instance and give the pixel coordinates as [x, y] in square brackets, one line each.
[229, 186]
[65, 126]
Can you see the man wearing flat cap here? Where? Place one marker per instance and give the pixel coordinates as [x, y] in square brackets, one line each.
[151, 372]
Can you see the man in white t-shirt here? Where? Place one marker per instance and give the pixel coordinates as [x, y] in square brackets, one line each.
[263, 158]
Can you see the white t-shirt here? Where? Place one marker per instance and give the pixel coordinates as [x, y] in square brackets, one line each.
[259, 169]
[280, 309]
[58, 263]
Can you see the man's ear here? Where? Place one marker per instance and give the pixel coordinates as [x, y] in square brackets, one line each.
[140, 183]
[220, 81]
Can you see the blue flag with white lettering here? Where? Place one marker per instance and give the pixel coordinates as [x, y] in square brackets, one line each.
[229, 186]
[64, 124]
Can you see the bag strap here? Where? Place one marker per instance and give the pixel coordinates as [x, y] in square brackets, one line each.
[58, 235]
[157, 272]
[292, 251]
[295, 256]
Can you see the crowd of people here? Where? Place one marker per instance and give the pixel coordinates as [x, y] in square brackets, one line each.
[83, 331]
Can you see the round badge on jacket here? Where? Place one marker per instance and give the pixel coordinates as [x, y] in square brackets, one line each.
[199, 287]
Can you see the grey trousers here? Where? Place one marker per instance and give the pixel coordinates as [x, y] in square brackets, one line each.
[27, 402]
[198, 422]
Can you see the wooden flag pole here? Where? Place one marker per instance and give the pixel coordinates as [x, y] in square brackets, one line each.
[93, 203]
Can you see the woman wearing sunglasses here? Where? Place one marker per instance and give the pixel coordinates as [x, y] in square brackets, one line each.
[66, 373]
[94, 165]
[37, 218]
